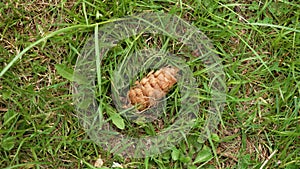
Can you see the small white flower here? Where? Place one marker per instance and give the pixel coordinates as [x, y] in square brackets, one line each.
[116, 165]
[98, 163]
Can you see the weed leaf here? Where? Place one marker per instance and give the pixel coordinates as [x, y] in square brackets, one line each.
[175, 154]
[204, 155]
[8, 117]
[8, 143]
[118, 121]
[64, 71]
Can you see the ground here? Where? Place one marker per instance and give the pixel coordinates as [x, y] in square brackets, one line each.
[257, 41]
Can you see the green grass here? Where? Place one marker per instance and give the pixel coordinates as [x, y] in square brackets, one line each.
[258, 42]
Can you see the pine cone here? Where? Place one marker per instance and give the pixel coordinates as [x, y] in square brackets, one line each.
[153, 87]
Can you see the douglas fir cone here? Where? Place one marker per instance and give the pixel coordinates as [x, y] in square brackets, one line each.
[153, 87]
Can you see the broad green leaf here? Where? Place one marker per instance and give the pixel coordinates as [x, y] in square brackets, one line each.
[149, 129]
[200, 140]
[8, 143]
[117, 120]
[203, 156]
[175, 154]
[184, 159]
[64, 71]
[245, 161]
[215, 137]
[9, 116]
[6, 94]
[192, 167]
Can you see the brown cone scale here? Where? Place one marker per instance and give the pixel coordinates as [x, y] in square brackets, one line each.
[153, 87]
